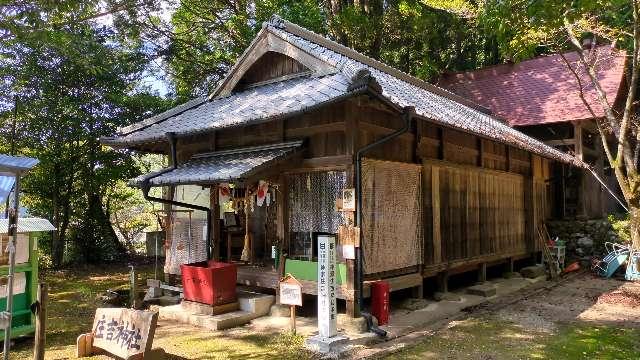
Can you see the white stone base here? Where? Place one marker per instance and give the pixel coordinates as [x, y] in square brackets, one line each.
[324, 345]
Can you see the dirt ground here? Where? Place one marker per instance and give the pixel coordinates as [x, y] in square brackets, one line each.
[585, 317]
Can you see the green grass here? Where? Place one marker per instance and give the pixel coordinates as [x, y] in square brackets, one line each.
[595, 342]
[488, 338]
[75, 294]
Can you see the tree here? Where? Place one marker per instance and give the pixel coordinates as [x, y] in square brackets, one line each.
[75, 81]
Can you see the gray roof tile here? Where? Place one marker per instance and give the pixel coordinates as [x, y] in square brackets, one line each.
[220, 166]
[272, 100]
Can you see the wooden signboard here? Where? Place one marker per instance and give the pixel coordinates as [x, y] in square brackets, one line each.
[290, 291]
[349, 200]
[125, 333]
[291, 294]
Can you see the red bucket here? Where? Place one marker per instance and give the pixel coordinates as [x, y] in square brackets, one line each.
[209, 282]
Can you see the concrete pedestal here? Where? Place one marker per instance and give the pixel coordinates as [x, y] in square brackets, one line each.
[330, 345]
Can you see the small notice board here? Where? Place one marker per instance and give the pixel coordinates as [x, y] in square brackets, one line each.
[290, 291]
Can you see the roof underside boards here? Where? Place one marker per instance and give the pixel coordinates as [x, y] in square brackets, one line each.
[540, 90]
[220, 166]
[6, 185]
[26, 225]
[294, 95]
[10, 165]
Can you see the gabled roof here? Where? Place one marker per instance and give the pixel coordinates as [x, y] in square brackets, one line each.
[347, 73]
[541, 90]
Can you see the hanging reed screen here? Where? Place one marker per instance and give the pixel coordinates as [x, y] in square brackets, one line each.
[391, 215]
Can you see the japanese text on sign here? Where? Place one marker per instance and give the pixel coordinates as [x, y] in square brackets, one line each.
[124, 332]
[290, 291]
[327, 311]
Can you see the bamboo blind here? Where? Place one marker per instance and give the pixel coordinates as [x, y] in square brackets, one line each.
[391, 215]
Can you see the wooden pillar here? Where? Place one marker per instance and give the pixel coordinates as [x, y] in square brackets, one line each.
[510, 265]
[352, 122]
[435, 205]
[443, 281]
[482, 273]
[41, 317]
[168, 236]
[417, 292]
[215, 222]
[480, 152]
[441, 141]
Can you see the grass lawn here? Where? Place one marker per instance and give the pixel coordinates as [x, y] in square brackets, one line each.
[486, 337]
[74, 296]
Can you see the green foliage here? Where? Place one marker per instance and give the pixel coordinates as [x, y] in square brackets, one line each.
[621, 224]
[74, 82]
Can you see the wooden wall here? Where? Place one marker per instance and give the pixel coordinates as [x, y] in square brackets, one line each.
[472, 211]
[482, 202]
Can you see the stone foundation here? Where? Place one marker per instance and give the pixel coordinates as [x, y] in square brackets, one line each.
[583, 238]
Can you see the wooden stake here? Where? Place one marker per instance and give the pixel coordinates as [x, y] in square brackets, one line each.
[293, 318]
[41, 316]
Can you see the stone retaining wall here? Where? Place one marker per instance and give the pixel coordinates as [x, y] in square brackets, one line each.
[583, 238]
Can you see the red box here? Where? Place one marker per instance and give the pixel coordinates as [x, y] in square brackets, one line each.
[209, 282]
[380, 301]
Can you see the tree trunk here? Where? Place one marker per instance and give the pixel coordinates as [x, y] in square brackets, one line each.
[634, 226]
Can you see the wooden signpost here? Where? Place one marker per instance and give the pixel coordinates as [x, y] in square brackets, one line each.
[291, 294]
[125, 333]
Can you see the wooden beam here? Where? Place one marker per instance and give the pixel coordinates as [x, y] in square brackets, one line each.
[381, 130]
[325, 162]
[480, 152]
[441, 138]
[470, 263]
[215, 221]
[560, 142]
[577, 135]
[435, 206]
[315, 129]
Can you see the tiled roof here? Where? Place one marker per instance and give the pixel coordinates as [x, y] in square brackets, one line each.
[257, 104]
[220, 166]
[264, 103]
[541, 90]
[26, 225]
[12, 164]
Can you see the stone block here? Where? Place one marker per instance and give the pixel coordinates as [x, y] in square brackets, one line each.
[486, 290]
[446, 296]
[352, 325]
[532, 272]
[279, 310]
[256, 303]
[206, 309]
[512, 275]
[333, 345]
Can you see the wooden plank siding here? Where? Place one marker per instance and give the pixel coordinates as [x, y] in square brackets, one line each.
[481, 198]
[475, 212]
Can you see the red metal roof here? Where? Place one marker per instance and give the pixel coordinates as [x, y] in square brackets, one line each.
[540, 90]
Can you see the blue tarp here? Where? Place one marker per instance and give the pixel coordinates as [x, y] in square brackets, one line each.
[6, 185]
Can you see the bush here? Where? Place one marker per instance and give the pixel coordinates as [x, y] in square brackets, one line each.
[621, 225]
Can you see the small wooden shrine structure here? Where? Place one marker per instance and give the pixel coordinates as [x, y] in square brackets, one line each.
[306, 137]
